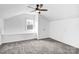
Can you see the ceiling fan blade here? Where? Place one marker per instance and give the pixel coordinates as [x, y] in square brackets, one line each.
[43, 9]
[30, 7]
[41, 5]
[33, 11]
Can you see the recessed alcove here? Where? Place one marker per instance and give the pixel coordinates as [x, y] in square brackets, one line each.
[23, 23]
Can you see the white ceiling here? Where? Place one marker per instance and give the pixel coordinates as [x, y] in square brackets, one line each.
[55, 11]
[7, 10]
[62, 11]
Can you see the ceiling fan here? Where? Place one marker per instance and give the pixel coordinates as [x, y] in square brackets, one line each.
[38, 8]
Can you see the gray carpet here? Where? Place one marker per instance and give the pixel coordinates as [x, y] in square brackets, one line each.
[44, 46]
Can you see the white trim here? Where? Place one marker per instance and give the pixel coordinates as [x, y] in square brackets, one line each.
[36, 24]
[30, 13]
[18, 33]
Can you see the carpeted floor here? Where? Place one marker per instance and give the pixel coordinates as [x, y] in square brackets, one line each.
[44, 46]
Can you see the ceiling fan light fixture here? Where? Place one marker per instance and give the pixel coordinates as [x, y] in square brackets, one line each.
[37, 10]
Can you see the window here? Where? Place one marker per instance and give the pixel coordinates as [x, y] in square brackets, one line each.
[29, 24]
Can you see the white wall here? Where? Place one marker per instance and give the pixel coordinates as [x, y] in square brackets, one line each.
[43, 27]
[66, 31]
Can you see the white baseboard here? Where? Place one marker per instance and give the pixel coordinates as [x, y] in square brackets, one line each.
[14, 38]
[62, 41]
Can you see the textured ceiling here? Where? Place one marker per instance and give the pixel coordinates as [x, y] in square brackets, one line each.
[55, 11]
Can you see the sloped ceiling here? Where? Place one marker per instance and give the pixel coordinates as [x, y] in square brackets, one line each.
[62, 11]
[7, 10]
[55, 11]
